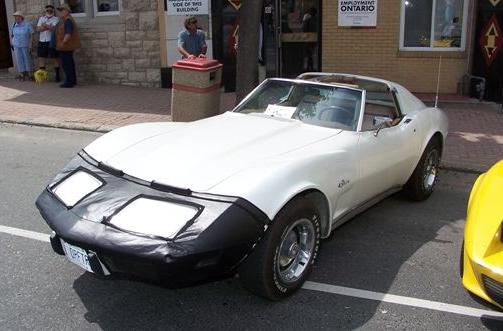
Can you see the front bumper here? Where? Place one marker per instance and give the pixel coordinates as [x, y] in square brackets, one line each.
[482, 279]
[222, 235]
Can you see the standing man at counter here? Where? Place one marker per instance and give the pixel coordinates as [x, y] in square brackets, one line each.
[191, 40]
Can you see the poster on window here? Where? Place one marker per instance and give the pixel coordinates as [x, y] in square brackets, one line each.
[186, 7]
[357, 13]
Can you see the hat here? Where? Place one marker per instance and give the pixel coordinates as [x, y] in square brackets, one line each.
[64, 6]
[18, 13]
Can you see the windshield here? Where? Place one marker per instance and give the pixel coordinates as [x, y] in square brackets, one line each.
[321, 105]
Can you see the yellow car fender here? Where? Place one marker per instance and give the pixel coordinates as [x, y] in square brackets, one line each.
[483, 246]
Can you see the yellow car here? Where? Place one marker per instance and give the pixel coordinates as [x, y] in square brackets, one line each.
[482, 254]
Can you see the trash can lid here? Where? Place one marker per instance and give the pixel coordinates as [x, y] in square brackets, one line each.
[198, 64]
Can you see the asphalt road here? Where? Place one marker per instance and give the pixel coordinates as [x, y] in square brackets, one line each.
[397, 247]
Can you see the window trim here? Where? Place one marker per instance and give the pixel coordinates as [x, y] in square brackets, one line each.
[434, 49]
[106, 13]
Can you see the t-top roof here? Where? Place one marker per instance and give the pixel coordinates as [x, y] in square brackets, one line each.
[366, 83]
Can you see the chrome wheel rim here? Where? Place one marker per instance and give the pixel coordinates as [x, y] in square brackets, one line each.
[295, 250]
[431, 170]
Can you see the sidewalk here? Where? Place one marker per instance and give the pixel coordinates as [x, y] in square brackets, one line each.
[475, 140]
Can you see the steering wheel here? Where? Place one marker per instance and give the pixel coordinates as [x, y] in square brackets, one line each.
[342, 116]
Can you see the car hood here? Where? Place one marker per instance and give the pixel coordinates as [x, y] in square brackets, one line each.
[199, 155]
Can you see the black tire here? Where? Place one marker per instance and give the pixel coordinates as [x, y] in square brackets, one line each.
[263, 272]
[422, 181]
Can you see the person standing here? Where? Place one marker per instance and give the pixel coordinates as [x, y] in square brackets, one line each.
[67, 41]
[309, 24]
[46, 26]
[191, 40]
[21, 41]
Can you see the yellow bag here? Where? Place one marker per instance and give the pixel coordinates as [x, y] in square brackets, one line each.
[41, 76]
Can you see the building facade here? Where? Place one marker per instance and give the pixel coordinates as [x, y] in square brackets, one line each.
[120, 38]
[413, 42]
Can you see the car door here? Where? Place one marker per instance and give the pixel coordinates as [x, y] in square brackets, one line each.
[387, 145]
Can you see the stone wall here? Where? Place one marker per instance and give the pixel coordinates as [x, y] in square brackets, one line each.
[122, 49]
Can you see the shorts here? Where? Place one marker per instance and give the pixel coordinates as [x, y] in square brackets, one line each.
[43, 50]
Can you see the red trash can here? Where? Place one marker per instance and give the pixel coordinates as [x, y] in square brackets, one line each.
[196, 89]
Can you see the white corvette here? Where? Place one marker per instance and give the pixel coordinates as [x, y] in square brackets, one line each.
[252, 190]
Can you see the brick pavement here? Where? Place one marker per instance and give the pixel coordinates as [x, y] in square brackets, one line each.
[475, 139]
[474, 143]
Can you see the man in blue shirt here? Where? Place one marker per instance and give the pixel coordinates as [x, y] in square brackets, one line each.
[191, 41]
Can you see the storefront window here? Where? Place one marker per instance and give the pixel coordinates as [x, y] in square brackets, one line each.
[433, 25]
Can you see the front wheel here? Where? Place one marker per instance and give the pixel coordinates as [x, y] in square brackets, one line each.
[281, 262]
[423, 179]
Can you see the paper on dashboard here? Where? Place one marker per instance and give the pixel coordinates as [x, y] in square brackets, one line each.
[280, 111]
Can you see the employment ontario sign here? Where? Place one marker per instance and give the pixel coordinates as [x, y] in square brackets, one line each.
[357, 13]
[186, 7]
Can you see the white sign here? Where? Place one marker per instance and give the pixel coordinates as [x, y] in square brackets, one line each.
[357, 13]
[187, 7]
[280, 111]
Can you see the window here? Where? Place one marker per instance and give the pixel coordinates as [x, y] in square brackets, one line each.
[379, 108]
[81, 8]
[433, 25]
[106, 7]
[321, 105]
[78, 7]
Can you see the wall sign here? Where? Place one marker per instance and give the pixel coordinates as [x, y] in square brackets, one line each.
[187, 7]
[235, 3]
[491, 40]
[357, 13]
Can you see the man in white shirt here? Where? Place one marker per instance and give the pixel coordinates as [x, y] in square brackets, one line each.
[47, 42]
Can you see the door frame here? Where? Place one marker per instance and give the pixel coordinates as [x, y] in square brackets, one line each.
[279, 53]
[9, 10]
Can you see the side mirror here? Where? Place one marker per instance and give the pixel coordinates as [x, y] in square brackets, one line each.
[378, 120]
[381, 122]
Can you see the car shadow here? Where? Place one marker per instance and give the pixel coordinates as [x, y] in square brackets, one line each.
[398, 246]
[492, 323]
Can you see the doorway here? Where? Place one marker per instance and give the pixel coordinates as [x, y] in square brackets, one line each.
[5, 51]
[289, 39]
[488, 48]
[298, 37]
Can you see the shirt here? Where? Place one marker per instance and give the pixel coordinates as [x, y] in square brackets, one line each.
[21, 33]
[192, 42]
[68, 26]
[46, 35]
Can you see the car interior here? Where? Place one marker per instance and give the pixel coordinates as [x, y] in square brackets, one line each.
[379, 108]
[328, 107]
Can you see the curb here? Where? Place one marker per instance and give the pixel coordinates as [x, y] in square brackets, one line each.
[66, 126]
[461, 169]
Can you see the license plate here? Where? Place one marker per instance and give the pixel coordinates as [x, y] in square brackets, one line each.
[77, 255]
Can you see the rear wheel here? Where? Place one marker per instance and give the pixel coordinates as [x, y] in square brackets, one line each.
[281, 262]
[423, 179]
